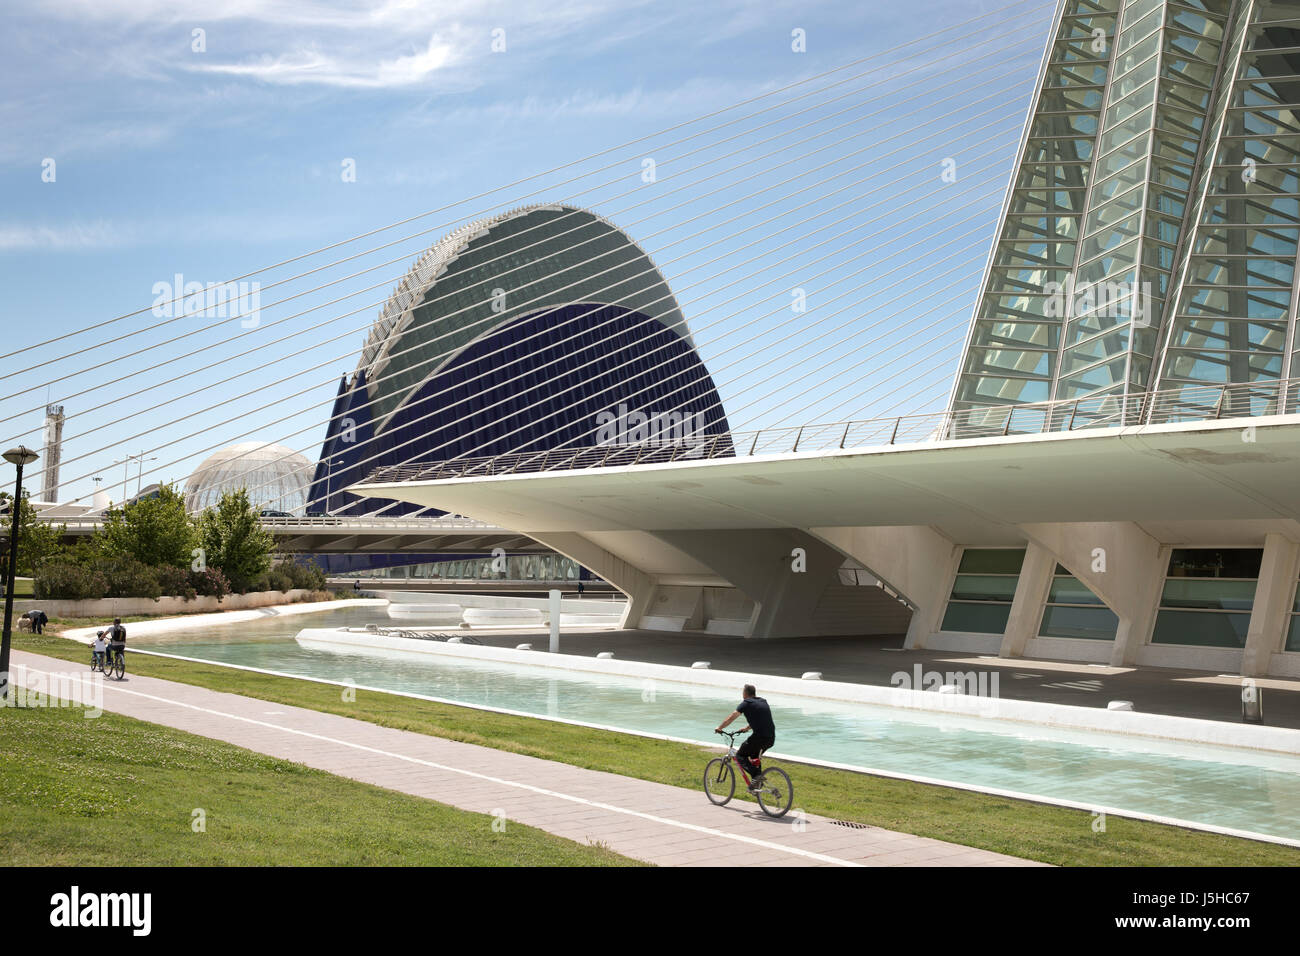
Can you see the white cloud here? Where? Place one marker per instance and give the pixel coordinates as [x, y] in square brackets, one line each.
[311, 66]
[102, 234]
[20, 237]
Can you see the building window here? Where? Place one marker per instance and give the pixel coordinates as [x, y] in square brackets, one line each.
[1208, 596]
[1072, 610]
[985, 587]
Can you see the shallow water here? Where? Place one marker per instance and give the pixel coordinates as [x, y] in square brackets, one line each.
[1199, 783]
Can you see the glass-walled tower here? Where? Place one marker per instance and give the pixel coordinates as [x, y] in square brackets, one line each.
[1149, 237]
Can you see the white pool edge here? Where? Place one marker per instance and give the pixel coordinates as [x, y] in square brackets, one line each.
[187, 622]
[1063, 716]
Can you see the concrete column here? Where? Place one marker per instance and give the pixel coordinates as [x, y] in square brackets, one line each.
[1271, 613]
[635, 583]
[916, 561]
[761, 564]
[554, 621]
[1120, 563]
[1027, 605]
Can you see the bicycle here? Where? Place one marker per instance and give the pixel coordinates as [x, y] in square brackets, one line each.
[775, 792]
[114, 664]
[96, 662]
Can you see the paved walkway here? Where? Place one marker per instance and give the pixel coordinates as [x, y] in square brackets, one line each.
[654, 822]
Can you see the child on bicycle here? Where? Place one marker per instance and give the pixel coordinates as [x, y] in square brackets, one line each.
[98, 649]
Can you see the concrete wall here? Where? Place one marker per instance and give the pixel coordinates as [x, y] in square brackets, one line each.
[742, 582]
[859, 609]
[1124, 564]
[110, 608]
[603, 603]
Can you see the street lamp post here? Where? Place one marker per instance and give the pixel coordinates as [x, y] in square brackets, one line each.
[22, 455]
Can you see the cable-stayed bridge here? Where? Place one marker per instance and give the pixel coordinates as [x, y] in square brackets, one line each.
[1002, 319]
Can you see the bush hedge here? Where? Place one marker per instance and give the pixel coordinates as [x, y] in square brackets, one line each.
[69, 582]
[210, 583]
[128, 578]
[176, 582]
[123, 577]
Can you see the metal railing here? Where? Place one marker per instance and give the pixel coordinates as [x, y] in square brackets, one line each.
[363, 521]
[1185, 403]
[353, 522]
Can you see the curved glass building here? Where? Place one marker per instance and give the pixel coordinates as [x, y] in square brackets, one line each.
[539, 328]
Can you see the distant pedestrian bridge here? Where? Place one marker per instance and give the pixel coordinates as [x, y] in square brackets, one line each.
[374, 534]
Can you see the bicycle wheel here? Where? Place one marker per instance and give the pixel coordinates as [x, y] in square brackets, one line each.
[777, 792]
[119, 667]
[719, 781]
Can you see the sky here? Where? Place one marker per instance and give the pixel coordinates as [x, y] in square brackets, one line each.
[149, 140]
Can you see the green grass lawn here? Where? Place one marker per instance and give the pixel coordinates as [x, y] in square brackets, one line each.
[116, 791]
[1020, 828]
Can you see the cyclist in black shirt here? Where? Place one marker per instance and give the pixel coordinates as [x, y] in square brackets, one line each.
[116, 640]
[759, 715]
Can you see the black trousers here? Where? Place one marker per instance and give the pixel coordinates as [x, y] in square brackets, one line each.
[753, 748]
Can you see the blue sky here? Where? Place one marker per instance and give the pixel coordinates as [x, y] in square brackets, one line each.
[214, 154]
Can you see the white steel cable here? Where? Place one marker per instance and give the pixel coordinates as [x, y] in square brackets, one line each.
[681, 387]
[719, 369]
[110, 362]
[209, 385]
[159, 448]
[425, 345]
[949, 329]
[295, 335]
[969, 27]
[733, 282]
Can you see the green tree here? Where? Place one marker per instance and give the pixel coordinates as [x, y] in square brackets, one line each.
[234, 541]
[153, 531]
[37, 540]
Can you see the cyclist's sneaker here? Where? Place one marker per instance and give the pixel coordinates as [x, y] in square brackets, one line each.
[756, 784]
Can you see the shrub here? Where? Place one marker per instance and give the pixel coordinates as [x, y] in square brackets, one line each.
[309, 576]
[84, 553]
[275, 580]
[128, 577]
[57, 581]
[210, 583]
[175, 581]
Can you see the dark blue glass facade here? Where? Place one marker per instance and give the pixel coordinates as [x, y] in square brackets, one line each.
[545, 381]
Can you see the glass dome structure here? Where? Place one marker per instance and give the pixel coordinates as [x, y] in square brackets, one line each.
[277, 478]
